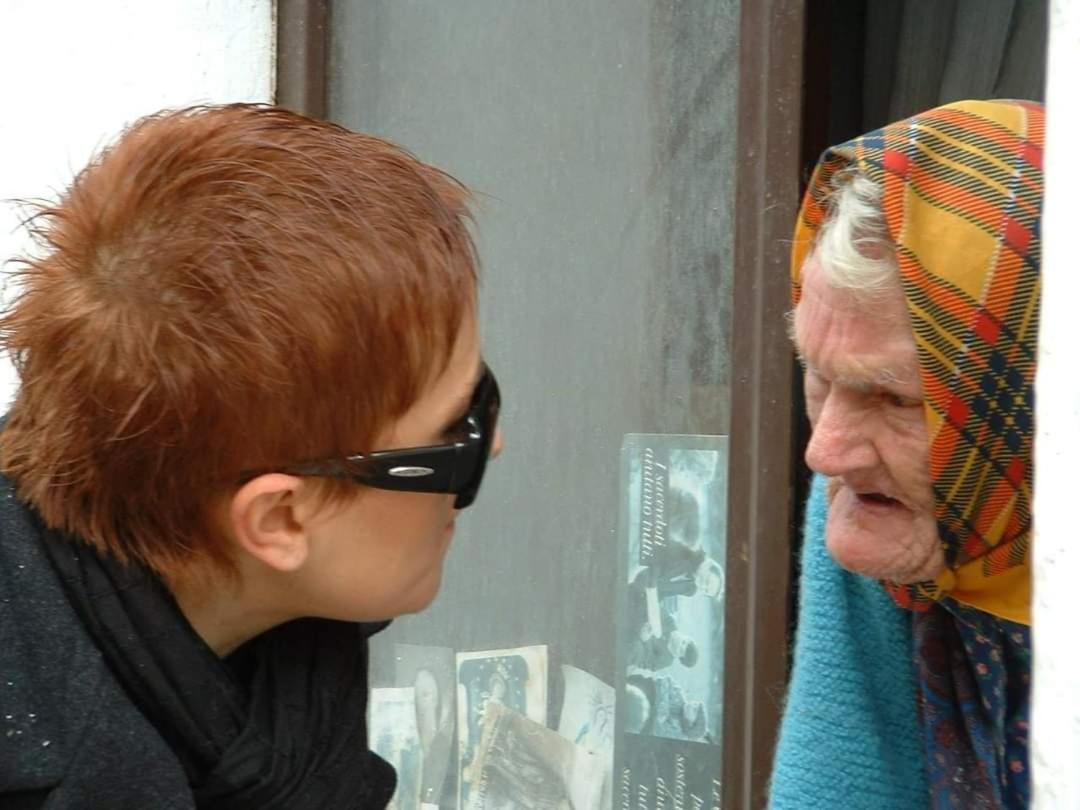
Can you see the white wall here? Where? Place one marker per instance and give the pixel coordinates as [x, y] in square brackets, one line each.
[74, 72]
[1056, 712]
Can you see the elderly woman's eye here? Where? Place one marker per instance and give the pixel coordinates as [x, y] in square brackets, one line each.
[898, 401]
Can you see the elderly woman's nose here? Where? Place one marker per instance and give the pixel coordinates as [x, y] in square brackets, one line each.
[838, 441]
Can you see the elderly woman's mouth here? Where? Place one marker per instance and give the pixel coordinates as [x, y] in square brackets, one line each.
[878, 500]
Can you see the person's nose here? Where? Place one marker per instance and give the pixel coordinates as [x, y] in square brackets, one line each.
[497, 443]
[839, 440]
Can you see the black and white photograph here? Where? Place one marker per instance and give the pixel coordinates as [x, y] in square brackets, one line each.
[670, 644]
[393, 736]
[587, 718]
[430, 673]
[588, 711]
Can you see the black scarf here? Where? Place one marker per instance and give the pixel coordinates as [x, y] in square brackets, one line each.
[279, 724]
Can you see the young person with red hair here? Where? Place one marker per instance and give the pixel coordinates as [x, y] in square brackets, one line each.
[251, 404]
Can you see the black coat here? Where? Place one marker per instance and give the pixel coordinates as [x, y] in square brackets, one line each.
[70, 738]
[109, 699]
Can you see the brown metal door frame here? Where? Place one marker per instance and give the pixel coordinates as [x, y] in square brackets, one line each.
[764, 469]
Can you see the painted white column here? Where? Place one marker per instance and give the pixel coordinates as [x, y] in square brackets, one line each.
[74, 72]
[1056, 710]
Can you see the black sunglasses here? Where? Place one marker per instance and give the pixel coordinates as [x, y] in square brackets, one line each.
[456, 468]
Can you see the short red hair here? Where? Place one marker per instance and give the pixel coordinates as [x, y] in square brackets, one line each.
[225, 288]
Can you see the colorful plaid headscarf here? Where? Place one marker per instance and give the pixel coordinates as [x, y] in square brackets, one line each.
[962, 195]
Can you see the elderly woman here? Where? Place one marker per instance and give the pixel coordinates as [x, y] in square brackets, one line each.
[252, 404]
[916, 282]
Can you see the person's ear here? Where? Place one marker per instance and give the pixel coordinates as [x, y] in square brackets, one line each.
[269, 522]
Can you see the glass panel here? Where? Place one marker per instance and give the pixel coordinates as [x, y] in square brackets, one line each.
[599, 138]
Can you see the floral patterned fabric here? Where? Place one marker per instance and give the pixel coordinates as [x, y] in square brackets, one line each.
[974, 702]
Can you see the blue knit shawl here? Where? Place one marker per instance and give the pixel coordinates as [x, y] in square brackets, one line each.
[850, 735]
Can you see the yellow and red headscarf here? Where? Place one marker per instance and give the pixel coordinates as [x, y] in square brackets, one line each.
[962, 195]
[961, 191]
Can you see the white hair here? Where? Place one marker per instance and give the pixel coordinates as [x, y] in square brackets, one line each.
[853, 245]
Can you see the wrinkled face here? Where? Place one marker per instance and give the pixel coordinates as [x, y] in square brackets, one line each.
[709, 580]
[677, 644]
[381, 554]
[865, 403]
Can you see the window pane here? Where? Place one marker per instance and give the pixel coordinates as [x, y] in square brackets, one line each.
[599, 138]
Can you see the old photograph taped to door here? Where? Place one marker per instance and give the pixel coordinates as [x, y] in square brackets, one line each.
[516, 678]
[672, 613]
